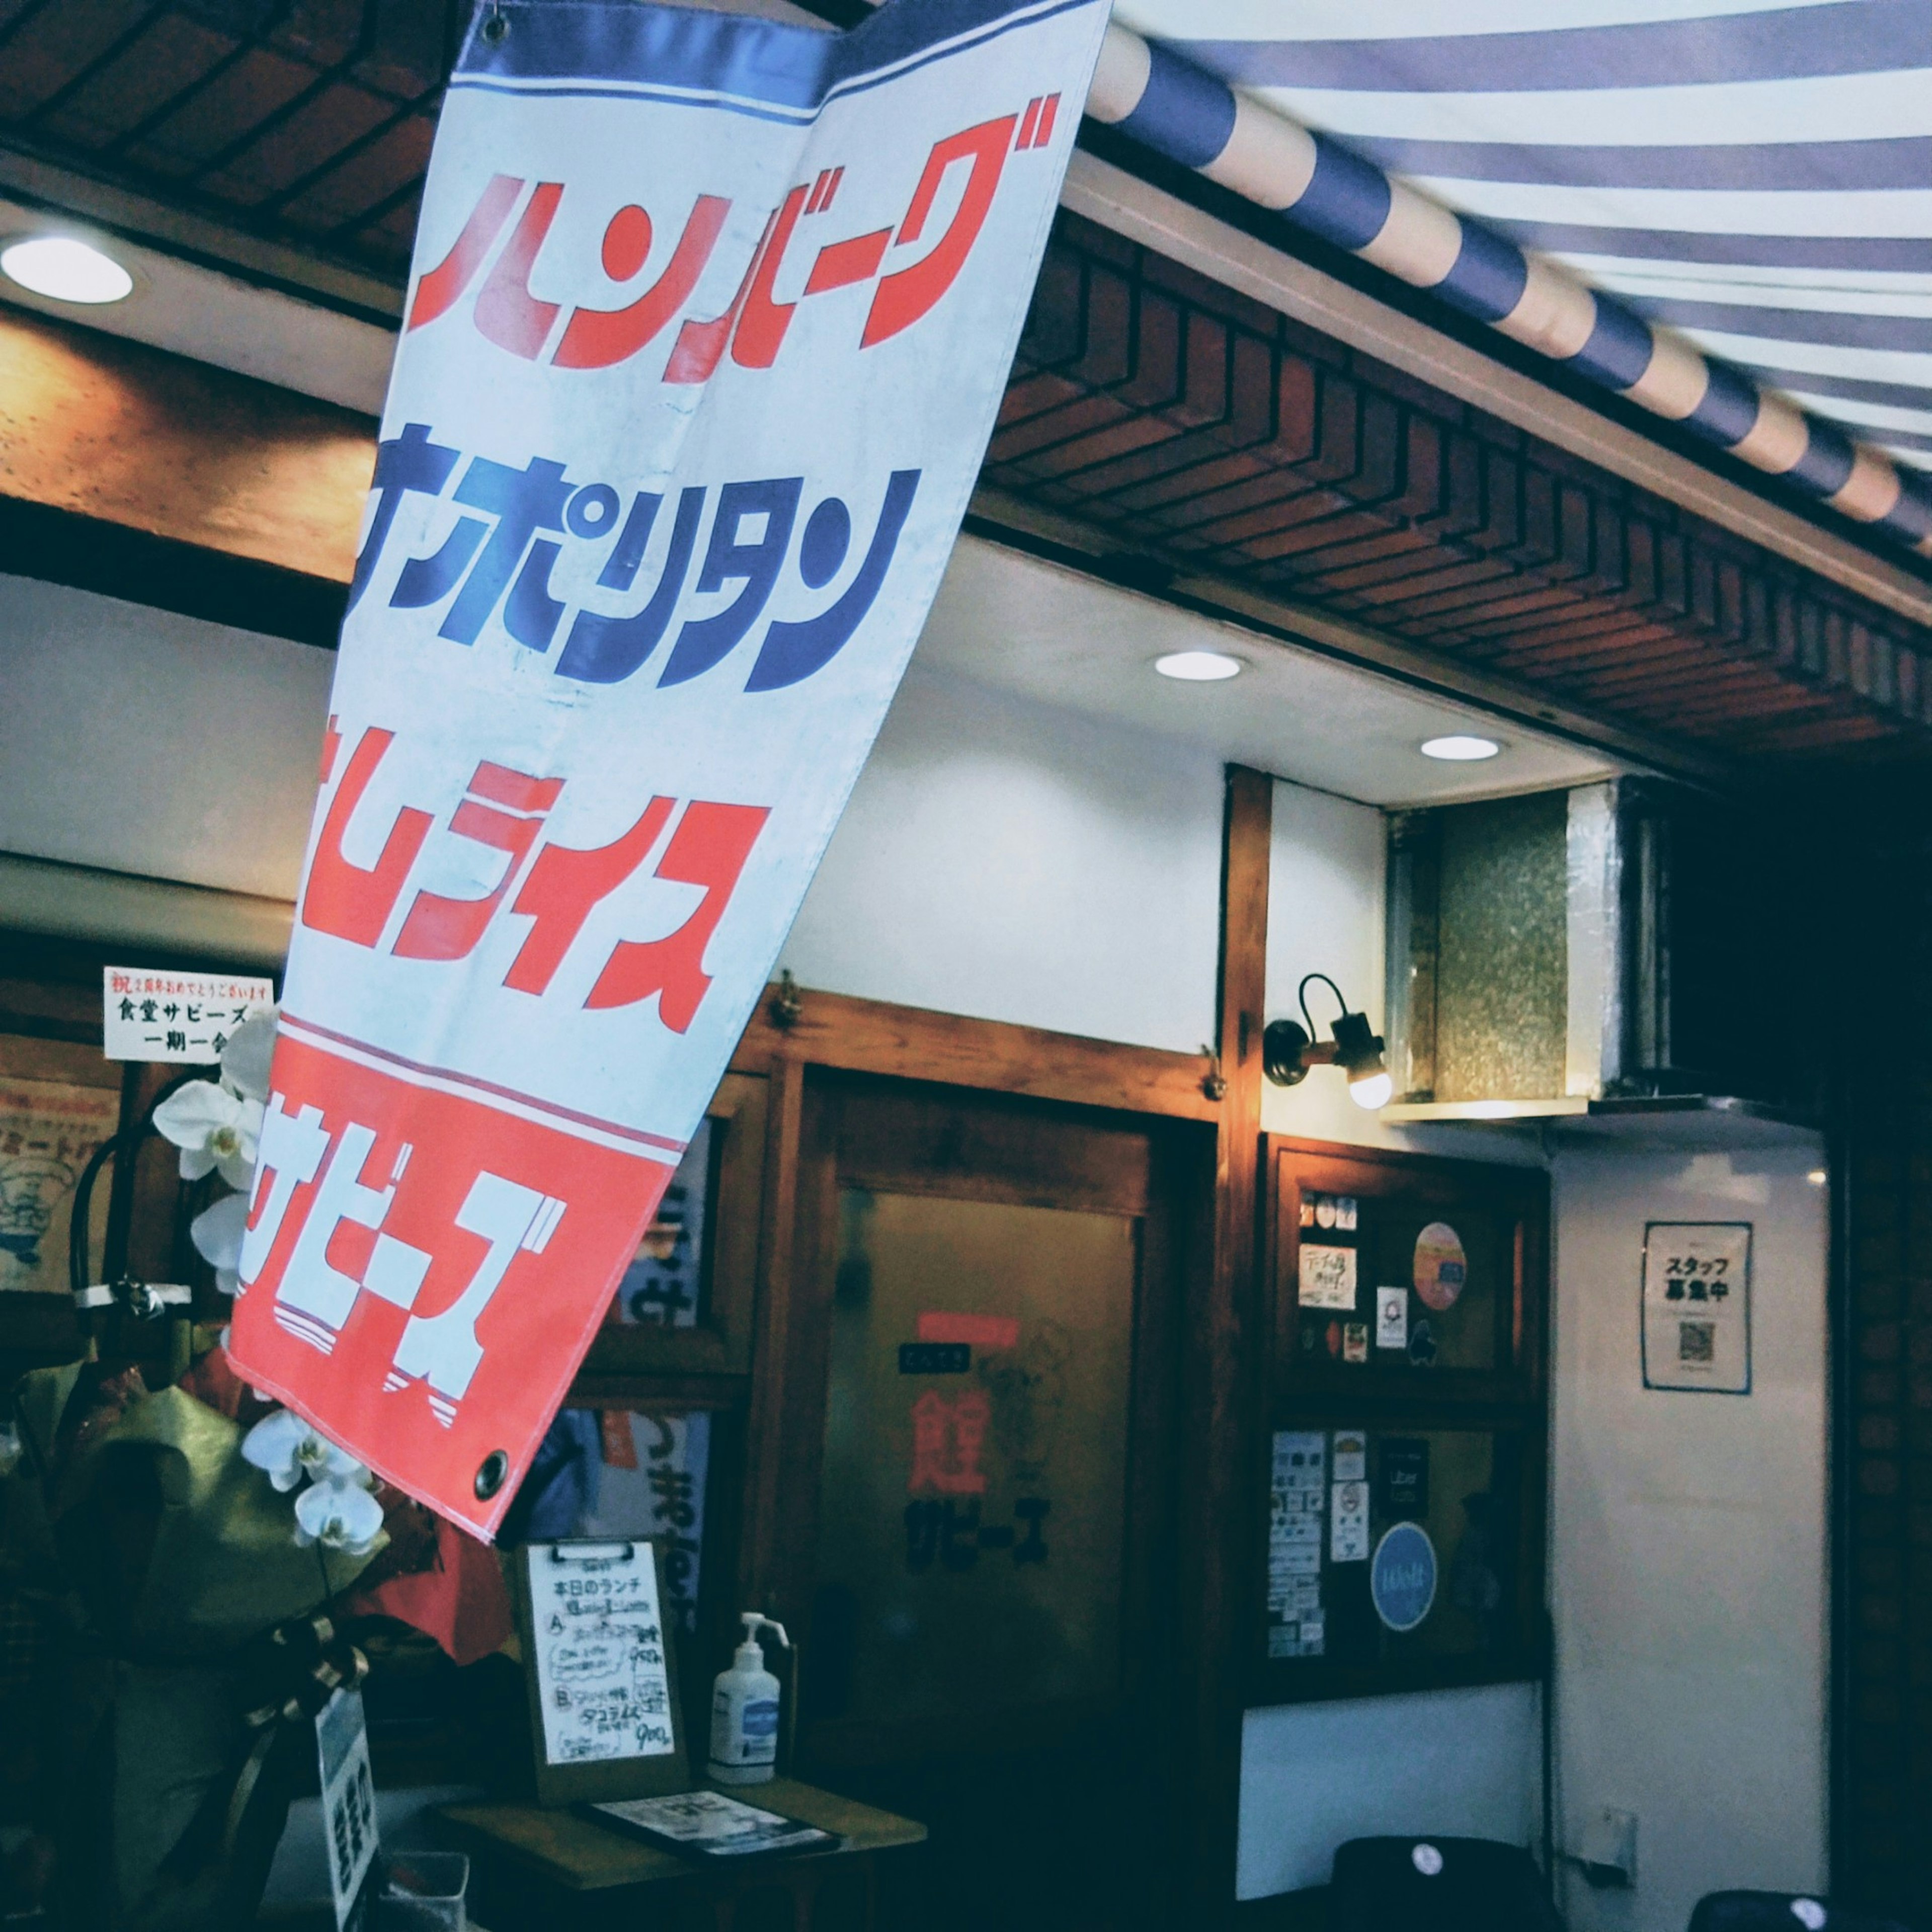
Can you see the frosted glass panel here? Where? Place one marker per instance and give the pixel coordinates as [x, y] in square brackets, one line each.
[975, 1475]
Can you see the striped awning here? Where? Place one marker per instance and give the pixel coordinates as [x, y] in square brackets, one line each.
[1752, 176]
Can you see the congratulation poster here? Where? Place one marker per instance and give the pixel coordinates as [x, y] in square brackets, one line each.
[710, 318]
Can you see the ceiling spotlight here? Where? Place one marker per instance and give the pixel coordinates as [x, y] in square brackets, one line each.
[1460, 748]
[1288, 1050]
[1199, 667]
[65, 269]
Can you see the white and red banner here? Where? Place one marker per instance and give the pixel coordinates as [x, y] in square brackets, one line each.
[710, 320]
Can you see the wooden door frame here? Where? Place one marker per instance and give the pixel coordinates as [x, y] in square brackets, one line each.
[796, 1031]
[1098, 1168]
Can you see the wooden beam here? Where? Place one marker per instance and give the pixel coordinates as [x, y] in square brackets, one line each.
[131, 436]
[909, 1043]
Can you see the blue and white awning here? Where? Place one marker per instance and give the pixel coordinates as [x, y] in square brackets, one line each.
[1746, 185]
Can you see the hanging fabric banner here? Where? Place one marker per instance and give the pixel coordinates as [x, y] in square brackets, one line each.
[710, 318]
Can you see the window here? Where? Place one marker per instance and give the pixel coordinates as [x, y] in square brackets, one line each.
[1406, 1409]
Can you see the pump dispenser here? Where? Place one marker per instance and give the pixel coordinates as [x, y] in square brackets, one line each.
[745, 1710]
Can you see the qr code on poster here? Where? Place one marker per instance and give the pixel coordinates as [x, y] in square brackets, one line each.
[1697, 1342]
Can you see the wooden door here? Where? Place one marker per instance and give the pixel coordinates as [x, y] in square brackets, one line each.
[978, 1521]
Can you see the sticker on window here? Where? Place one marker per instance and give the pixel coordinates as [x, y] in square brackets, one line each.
[1327, 1277]
[1442, 1268]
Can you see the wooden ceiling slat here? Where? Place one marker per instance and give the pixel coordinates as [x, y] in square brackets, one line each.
[1397, 505]
[1646, 646]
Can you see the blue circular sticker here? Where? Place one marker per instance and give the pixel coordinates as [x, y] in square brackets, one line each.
[1401, 1579]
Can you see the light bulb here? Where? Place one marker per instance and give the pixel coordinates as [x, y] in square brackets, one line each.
[1372, 1090]
[66, 270]
[1198, 667]
[1460, 748]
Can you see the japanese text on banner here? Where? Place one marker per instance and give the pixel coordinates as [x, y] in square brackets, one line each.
[710, 319]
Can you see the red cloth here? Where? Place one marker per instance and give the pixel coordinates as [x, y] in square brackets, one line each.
[210, 1379]
[461, 1600]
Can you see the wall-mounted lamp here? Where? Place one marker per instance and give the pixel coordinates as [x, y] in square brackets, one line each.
[1288, 1050]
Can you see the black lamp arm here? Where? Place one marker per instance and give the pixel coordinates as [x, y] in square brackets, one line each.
[1301, 994]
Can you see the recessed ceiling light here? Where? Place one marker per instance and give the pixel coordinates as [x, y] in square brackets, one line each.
[65, 269]
[1199, 667]
[1459, 749]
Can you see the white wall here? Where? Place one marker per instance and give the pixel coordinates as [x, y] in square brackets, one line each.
[1689, 1543]
[1453, 1763]
[1006, 859]
[138, 741]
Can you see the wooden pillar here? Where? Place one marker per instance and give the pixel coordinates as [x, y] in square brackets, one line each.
[1226, 1334]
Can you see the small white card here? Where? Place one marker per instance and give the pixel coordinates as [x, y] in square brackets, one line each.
[185, 1018]
[1351, 1456]
[348, 1798]
[1349, 1524]
[1391, 1317]
[1327, 1278]
[1696, 1306]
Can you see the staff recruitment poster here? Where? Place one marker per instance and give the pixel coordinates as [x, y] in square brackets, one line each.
[709, 320]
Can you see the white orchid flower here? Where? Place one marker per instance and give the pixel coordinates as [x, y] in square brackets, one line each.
[289, 1449]
[339, 1515]
[216, 1130]
[217, 1234]
[244, 1060]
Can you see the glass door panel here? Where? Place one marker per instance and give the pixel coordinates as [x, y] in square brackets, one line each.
[972, 1508]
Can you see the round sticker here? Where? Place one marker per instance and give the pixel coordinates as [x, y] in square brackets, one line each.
[1442, 1268]
[1401, 1579]
[1427, 1860]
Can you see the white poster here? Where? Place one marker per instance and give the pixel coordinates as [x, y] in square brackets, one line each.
[1696, 1306]
[1391, 1317]
[709, 321]
[185, 1018]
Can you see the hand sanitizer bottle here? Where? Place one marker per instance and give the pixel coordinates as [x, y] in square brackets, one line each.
[744, 1711]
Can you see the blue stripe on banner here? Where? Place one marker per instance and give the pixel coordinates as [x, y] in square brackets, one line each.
[748, 59]
[1852, 388]
[1717, 167]
[1827, 461]
[1906, 255]
[1851, 36]
[1619, 348]
[1488, 276]
[1184, 114]
[1911, 517]
[1830, 326]
[672, 97]
[1728, 411]
[1346, 201]
[669, 46]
